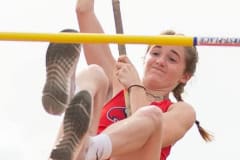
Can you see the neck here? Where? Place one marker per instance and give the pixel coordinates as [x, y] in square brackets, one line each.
[155, 95]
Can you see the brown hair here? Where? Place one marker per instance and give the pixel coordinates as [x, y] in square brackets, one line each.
[191, 63]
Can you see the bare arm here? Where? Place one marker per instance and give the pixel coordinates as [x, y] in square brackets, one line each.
[176, 122]
[99, 54]
[128, 76]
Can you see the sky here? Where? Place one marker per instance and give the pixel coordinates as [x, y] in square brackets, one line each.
[28, 132]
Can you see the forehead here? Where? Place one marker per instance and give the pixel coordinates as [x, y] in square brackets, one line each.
[179, 50]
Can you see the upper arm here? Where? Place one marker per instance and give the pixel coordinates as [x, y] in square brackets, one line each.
[176, 122]
[99, 54]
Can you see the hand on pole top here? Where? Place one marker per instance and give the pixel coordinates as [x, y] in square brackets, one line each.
[85, 5]
[126, 72]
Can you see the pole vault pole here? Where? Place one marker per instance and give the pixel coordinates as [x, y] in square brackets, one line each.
[118, 24]
[121, 47]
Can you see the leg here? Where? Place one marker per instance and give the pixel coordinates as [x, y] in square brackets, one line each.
[140, 135]
[137, 137]
[95, 81]
[92, 85]
[75, 126]
[61, 62]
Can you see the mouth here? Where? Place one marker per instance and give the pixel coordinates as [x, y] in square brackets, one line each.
[158, 69]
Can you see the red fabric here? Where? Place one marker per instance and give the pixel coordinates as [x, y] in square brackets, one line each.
[115, 110]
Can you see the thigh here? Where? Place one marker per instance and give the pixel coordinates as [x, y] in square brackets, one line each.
[150, 148]
[150, 151]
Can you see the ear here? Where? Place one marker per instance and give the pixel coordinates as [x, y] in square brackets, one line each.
[185, 78]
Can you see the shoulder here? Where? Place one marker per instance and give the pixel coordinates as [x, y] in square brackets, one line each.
[184, 108]
[181, 104]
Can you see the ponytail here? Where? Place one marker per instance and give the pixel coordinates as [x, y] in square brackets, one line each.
[204, 134]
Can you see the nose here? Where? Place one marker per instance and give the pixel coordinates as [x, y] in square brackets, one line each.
[161, 60]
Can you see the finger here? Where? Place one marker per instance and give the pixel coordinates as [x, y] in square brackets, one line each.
[119, 65]
[124, 59]
[121, 58]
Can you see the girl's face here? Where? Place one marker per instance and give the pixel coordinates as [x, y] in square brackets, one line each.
[164, 67]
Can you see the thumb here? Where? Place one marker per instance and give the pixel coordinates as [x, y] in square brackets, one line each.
[124, 59]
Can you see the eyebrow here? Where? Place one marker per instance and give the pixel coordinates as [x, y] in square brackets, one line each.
[157, 46]
[173, 51]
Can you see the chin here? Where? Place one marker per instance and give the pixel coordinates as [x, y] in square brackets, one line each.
[151, 83]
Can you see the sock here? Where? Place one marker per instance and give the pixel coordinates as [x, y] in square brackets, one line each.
[77, 89]
[100, 147]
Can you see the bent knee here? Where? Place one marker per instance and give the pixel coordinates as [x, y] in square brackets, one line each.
[153, 113]
[94, 73]
[96, 69]
[99, 74]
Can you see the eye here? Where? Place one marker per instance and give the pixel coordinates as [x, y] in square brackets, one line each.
[155, 53]
[172, 59]
[173, 56]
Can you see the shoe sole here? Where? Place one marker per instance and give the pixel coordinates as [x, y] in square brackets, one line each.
[61, 62]
[76, 124]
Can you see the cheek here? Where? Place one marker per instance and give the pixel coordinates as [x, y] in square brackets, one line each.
[175, 73]
[147, 64]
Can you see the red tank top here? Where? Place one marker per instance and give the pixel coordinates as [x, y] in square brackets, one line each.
[115, 110]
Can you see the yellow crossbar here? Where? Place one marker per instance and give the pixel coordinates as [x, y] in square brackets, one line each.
[67, 37]
[96, 38]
